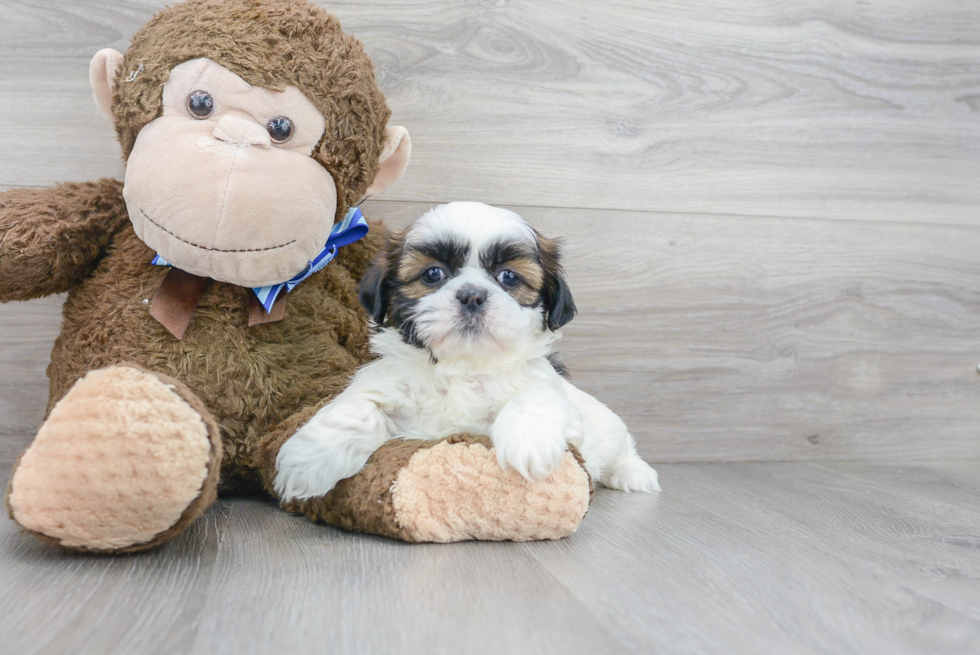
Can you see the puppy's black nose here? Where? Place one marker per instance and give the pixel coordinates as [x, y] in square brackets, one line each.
[472, 297]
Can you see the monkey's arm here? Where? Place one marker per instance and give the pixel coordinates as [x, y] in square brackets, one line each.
[52, 238]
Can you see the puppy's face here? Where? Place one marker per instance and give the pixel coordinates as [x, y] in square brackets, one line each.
[469, 281]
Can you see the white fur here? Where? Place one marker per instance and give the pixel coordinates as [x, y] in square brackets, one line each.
[478, 223]
[495, 380]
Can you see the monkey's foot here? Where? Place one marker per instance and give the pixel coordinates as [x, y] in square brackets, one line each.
[453, 490]
[125, 461]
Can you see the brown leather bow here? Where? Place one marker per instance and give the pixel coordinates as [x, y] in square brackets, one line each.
[180, 292]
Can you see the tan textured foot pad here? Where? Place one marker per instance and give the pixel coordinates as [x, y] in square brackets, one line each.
[126, 460]
[454, 490]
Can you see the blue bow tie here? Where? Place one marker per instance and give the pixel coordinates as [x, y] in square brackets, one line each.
[349, 230]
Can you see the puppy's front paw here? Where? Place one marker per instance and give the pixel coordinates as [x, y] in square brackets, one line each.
[334, 445]
[532, 436]
[305, 467]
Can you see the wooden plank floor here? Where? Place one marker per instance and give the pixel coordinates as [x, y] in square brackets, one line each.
[730, 558]
[772, 222]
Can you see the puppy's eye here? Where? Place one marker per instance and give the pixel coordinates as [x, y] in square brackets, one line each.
[508, 279]
[200, 104]
[434, 275]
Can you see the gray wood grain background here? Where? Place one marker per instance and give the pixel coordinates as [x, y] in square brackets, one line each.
[770, 213]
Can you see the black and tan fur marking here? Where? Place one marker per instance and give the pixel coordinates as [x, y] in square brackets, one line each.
[523, 259]
[392, 288]
[380, 291]
[415, 260]
[449, 251]
[540, 272]
[555, 294]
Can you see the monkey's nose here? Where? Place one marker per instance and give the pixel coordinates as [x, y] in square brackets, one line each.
[472, 297]
[233, 129]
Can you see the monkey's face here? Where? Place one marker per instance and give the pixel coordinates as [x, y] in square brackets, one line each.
[222, 184]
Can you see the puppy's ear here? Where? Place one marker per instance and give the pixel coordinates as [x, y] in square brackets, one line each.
[559, 303]
[555, 294]
[375, 291]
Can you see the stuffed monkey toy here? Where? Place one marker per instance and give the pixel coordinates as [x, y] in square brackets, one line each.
[212, 296]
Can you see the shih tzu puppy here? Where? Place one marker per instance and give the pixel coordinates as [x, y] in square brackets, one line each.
[467, 301]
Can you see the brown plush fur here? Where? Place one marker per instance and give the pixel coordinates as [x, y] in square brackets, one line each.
[250, 378]
[493, 506]
[258, 383]
[78, 237]
[363, 503]
[52, 238]
[327, 65]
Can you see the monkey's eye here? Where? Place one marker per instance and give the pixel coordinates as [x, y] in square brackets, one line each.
[200, 104]
[280, 129]
[434, 275]
[508, 279]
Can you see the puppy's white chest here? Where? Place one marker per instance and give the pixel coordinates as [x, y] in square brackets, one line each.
[448, 405]
[423, 399]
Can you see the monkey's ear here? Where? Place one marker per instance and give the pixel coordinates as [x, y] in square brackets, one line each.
[394, 159]
[102, 72]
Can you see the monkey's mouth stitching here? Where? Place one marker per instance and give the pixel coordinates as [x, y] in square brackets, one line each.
[191, 243]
